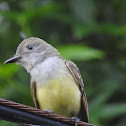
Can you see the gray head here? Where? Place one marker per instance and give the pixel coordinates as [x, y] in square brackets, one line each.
[31, 52]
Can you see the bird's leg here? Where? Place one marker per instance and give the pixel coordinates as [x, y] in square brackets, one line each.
[49, 111]
[76, 120]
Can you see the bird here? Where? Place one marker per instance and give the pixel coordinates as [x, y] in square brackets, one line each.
[56, 83]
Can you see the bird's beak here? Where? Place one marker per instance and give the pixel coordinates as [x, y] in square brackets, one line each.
[13, 59]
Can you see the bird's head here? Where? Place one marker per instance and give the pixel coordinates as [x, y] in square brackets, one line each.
[31, 52]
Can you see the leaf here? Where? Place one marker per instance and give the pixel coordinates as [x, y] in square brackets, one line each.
[113, 110]
[78, 52]
[81, 30]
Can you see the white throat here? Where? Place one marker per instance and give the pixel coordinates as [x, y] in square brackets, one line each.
[47, 70]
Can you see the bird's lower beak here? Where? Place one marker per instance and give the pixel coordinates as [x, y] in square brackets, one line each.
[14, 59]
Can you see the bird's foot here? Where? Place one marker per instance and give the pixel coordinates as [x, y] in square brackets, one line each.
[76, 120]
[49, 111]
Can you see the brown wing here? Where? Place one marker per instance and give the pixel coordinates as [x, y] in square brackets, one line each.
[83, 115]
[33, 93]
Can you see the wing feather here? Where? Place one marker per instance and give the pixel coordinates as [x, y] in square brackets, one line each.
[33, 93]
[83, 115]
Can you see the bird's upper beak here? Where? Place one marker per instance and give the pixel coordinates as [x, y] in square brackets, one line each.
[13, 59]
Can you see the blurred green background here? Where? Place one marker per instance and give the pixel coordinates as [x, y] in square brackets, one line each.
[92, 33]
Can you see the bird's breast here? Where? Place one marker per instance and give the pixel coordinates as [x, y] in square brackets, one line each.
[61, 95]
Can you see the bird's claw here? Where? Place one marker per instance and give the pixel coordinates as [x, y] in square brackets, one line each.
[76, 120]
[49, 111]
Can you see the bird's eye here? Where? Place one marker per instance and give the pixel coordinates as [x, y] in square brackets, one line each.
[30, 47]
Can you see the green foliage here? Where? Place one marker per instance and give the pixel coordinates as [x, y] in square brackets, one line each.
[90, 33]
[80, 53]
[82, 30]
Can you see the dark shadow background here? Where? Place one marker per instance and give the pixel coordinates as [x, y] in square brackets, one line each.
[92, 33]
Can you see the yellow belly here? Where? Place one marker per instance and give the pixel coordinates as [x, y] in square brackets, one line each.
[62, 96]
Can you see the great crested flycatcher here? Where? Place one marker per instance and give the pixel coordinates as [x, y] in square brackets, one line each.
[56, 83]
